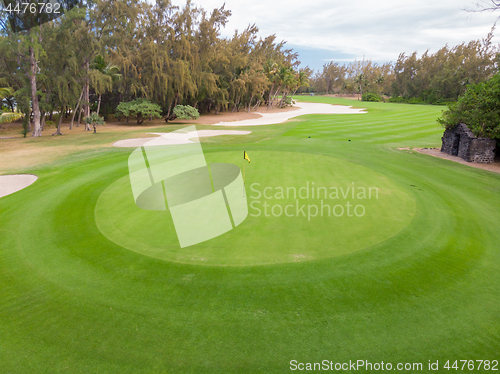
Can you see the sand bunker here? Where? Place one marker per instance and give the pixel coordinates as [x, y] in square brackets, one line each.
[265, 119]
[172, 138]
[13, 183]
[304, 108]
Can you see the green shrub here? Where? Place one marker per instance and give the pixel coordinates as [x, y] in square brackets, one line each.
[139, 108]
[186, 112]
[94, 119]
[397, 99]
[478, 108]
[370, 96]
[415, 100]
[287, 101]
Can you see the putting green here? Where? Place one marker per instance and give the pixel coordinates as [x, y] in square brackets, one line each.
[301, 207]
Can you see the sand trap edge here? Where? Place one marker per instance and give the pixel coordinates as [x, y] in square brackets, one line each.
[11, 183]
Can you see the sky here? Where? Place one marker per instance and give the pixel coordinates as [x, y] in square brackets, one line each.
[341, 31]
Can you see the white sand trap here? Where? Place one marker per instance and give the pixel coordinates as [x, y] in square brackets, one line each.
[305, 108]
[13, 183]
[171, 138]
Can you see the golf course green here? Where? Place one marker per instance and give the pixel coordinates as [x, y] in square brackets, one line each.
[89, 283]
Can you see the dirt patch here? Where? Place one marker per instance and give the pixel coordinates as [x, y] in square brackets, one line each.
[436, 152]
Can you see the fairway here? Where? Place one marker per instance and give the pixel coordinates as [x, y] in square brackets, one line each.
[90, 283]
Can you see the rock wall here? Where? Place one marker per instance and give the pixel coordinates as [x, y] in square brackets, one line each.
[460, 141]
[481, 150]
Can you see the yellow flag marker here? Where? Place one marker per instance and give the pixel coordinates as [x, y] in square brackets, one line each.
[245, 157]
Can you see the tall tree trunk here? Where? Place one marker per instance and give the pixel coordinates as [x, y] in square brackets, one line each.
[250, 104]
[42, 120]
[168, 112]
[76, 110]
[58, 131]
[79, 117]
[99, 104]
[37, 130]
[270, 97]
[172, 105]
[86, 105]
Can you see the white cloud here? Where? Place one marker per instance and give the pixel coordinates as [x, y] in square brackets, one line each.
[378, 30]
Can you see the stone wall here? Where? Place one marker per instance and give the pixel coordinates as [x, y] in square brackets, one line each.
[460, 141]
[447, 139]
[481, 150]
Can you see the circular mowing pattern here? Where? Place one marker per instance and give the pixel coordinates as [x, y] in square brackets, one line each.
[301, 207]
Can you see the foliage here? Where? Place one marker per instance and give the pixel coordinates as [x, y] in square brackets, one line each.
[94, 119]
[431, 78]
[446, 73]
[415, 100]
[478, 108]
[6, 117]
[25, 127]
[397, 99]
[139, 108]
[97, 56]
[5, 91]
[357, 76]
[370, 96]
[186, 112]
[288, 101]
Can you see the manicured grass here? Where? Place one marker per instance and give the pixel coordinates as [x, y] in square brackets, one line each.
[317, 226]
[75, 301]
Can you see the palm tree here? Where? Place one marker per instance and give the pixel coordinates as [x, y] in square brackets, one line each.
[270, 70]
[112, 73]
[8, 116]
[302, 81]
[287, 80]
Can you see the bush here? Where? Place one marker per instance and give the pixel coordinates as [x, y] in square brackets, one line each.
[94, 119]
[140, 108]
[370, 96]
[444, 102]
[397, 99]
[186, 112]
[415, 100]
[287, 101]
[478, 108]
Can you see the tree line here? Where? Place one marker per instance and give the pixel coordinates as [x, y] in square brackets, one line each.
[107, 52]
[437, 77]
